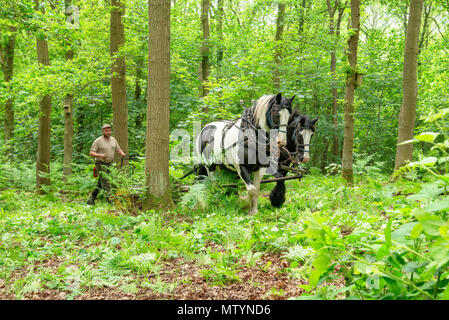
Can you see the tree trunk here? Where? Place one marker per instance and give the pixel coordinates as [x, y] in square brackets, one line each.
[205, 48]
[220, 14]
[158, 194]
[410, 88]
[138, 89]
[43, 142]
[278, 51]
[7, 61]
[68, 119]
[334, 31]
[351, 85]
[118, 78]
[427, 10]
[68, 136]
[302, 10]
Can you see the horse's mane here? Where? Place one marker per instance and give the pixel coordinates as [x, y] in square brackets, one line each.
[295, 113]
[259, 109]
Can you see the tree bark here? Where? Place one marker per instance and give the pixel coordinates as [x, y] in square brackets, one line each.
[43, 142]
[118, 78]
[334, 31]
[7, 62]
[427, 10]
[68, 119]
[205, 48]
[302, 10]
[158, 194]
[220, 14]
[351, 85]
[407, 114]
[138, 88]
[68, 136]
[278, 51]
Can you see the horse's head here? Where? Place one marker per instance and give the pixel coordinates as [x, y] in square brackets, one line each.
[277, 116]
[300, 132]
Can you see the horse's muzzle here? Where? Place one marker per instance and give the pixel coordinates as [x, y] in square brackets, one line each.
[281, 143]
[305, 158]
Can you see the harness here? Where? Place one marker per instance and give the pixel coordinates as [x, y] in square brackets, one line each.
[247, 122]
[300, 147]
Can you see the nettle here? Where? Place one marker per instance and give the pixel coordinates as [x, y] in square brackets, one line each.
[409, 258]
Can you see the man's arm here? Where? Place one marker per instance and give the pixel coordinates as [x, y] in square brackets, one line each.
[97, 155]
[121, 152]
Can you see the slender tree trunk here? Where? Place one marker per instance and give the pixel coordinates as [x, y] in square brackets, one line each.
[351, 85]
[220, 14]
[278, 51]
[205, 48]
[68, 136]
[43, 142]
[302, 10]
[158, 194]
[7, 61]
[410, 88]
[427, 10]
[68, 119]
[138, 89]
[334, 31]
[118, 78]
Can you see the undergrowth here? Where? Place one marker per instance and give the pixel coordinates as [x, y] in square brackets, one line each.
[380, 239]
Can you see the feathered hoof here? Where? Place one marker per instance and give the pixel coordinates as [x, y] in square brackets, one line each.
[277, 199]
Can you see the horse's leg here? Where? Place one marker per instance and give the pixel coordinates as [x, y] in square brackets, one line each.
[277, 195]
[258, 175]
[252, 190]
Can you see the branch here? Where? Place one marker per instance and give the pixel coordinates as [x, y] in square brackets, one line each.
[88, 84]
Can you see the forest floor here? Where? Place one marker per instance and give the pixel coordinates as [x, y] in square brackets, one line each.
[52, 247]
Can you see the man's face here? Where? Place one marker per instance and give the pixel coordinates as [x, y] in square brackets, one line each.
[106, 132]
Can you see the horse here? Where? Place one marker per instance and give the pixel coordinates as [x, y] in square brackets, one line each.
[299, 134]
[242, 145]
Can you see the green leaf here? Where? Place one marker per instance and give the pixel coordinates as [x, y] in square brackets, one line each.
[428, 161]
[438, 205]
[393, 285]
[416, 231]
[406, 142]
[430, 223]
[411, 266]
[426, 136]
[382, 252]
[445, 294]
[440, 255]
[403, 231]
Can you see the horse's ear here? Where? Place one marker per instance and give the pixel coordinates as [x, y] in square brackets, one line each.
[291, 99]
[302, 121]
[315, 120]
[278, 98]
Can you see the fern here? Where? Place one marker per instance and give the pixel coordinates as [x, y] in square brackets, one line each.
[298, 253]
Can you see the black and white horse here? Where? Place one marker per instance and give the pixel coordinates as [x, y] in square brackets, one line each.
[245, 145]
[299, 133]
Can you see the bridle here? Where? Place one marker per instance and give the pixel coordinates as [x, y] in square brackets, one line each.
[299, 146]
[270, 123]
